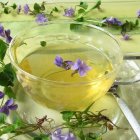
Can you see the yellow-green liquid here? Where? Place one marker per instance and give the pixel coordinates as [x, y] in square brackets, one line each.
[66, 92]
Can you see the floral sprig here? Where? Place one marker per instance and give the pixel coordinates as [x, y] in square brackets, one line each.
[78, 67]
[75, 122]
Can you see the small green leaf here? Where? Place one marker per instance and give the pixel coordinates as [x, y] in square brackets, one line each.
[3, 49]
[7, 76]
[80, 11]
[67, 115]
[2, 118]
[43, 6]
[43, 43]
[6, 10]
[14, 6]
[55, 9]
[9, 92]
[84, 5]
[37, 7]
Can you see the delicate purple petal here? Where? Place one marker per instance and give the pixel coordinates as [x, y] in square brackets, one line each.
[76, 65]
[9, 102]
[69, 12]
[112, 21]
[2, 31]
[58, 61]
[138, 13]
[13, 107]
[7, 36]
[19, 9]
[67, 64]
[26, 9]
[4, 110]
[126, 37]
[40, 19]
[80, 67]
[1, 95]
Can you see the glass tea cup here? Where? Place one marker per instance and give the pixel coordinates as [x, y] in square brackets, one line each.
[33, 54]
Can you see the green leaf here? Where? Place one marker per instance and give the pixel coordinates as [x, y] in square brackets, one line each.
[9, 92]
[6, 10]
[14, 6]
[37, 7]
[88, 108]
[7, 76]
[67, 115]
[2, 118]
[81, 11]
[3, 49]
[93, 136]
[43, 6]
[84, 5]
[43, 43]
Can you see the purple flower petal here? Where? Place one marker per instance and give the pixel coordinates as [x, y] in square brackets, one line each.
[80, 67]
[9, 102]
[40, 19]
[126, 37]
[138, 13]
[26, 9]
[2, 31]
[1, 95]
[112, 21]
[4, 110]
[13, 107]
[69, 12]
[58, 61]
[7, 36]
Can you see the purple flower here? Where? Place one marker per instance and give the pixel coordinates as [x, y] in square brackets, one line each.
[8, 36]
[64, 64]
[112, 21]
[69, 12]
[19, 9]
[1, 95]
[26, 9]
[138, 13]
[58, 135]
[9, 105]
[40, 19]
[2, 34]
[80, 67]
[126, 37]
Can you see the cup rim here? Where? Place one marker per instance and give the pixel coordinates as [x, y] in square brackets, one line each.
[34, 77]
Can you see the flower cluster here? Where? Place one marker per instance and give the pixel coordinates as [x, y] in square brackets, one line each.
[6, 34]
[40, 19]
[9, 105]
[78, 67]
[112, 21]
[69, 12]
[58, 135]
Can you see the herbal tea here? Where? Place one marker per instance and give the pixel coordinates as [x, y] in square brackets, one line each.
[62, 90]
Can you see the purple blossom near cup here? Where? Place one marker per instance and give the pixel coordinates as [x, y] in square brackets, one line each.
[138, 13]
[5, 34]
[19, 9]
[80, 67]
[9, 105]
[58, 135]
[8, 36]
[69, 12]
[63, 64]
[112, 21]
[26, 9]
[1, 94]
[126, 37]
[40, 19]
[2, 34]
